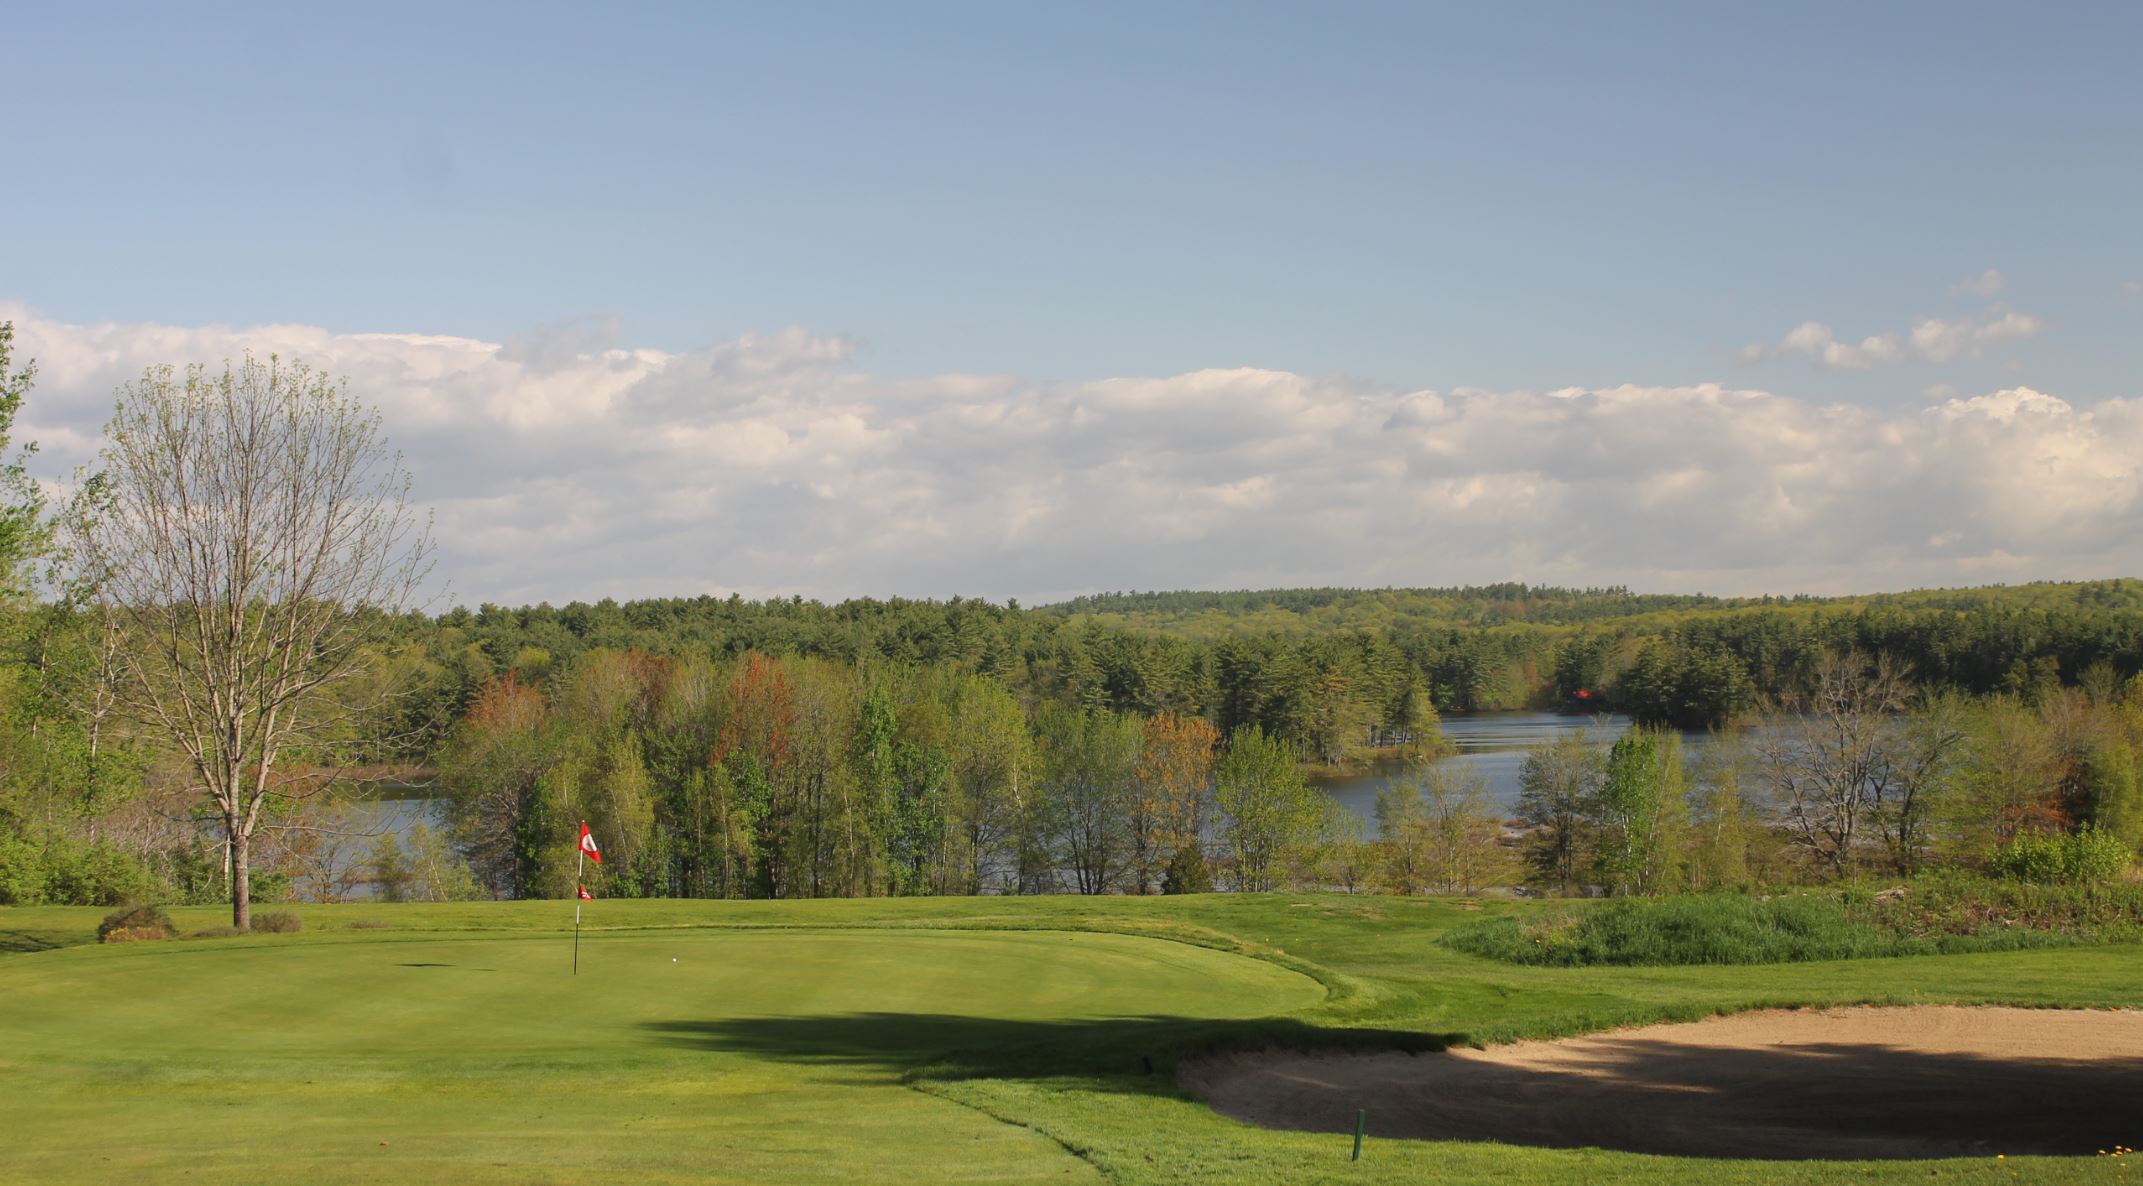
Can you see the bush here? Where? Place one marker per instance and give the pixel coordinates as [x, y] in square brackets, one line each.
[1187, 873]
[93, 875]
[278, 922]
[134, 919]
[61, 871]
[2096, 855]
[2088, 856]
[1936, 914]
[133, 934]
[1697, 929]
[22, 870]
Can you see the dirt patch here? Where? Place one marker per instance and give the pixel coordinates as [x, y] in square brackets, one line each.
[1926, 1081]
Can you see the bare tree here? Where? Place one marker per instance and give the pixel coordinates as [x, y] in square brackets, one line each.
[1848, 767]
[1917, 768]
[254, 542]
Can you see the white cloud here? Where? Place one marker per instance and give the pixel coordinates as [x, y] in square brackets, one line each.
[1986, 284]
[1930, 340]
[566, 465]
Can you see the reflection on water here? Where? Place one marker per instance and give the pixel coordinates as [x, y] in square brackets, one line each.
[390, 809]
[1492, 745]
[385, 813]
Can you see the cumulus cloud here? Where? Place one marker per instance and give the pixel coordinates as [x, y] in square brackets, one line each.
[1929, 340]
[566, 465]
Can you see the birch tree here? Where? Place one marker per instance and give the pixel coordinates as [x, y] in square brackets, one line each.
[255, 541]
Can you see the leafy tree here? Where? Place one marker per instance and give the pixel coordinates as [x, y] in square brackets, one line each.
[1635, 811]
[1463, 830]
[1341, 856]
[1267, 811]
[490, 771]
[1725, 831]
[25, 532]
[992, 768]
[1089, 763]
[2114, 790]
[1173, 779]
[1556, 788]
[1403, 837]
[422, 868]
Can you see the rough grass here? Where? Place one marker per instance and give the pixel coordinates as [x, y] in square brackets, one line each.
[950, 1040]
[1932, 916]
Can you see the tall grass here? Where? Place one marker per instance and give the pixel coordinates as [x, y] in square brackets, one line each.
[1933, 916]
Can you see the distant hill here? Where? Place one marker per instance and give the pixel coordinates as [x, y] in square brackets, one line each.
[1204, 614]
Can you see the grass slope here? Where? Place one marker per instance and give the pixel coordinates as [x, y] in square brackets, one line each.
[788, 1041]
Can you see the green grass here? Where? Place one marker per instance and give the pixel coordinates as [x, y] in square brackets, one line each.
[990, 1040]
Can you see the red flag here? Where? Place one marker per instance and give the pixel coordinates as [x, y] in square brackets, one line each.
[585, 896]
[587, 844]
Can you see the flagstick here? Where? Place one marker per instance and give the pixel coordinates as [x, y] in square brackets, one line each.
[579, 871]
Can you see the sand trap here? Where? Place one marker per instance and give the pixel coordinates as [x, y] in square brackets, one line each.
[1925, 1081]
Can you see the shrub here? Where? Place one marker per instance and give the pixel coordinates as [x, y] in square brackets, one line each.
[1936, 914]
[1187, 873]
[133, 934]
[1696, 929]
[2096, 855]
[278, 922]
[143, 917]
[2034, 858]
[93, 875]
[2085, 857]
[22, 870]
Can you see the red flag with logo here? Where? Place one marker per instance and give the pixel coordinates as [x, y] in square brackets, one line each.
[587, 844]
[585, 896]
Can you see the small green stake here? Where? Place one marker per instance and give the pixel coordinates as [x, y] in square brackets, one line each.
[1361, 1118]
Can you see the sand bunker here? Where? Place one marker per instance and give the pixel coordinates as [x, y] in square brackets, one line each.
[1833, 1083]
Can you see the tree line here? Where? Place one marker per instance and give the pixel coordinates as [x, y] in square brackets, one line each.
[770, 776]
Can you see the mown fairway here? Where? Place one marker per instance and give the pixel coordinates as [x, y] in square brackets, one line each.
[901, 1041]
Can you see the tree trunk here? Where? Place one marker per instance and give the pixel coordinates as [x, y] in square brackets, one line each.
[241, 881]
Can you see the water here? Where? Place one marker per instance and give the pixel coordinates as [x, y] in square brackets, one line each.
[1492, 745]
[387, 808]
[398, 809]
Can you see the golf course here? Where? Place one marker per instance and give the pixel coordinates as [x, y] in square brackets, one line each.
[904, 1040]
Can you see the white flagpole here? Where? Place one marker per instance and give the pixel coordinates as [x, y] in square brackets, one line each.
[579, 870]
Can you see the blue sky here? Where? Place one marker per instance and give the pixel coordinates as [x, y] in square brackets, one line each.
[1400, 197]
[1419, 195]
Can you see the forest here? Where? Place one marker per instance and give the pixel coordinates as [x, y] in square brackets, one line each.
[788, 748]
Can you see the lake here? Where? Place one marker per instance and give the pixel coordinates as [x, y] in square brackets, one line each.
[1490, 744]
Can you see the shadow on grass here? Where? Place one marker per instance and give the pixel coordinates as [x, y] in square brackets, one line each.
[24, 941]
[1806, 1101]
[952, 1046]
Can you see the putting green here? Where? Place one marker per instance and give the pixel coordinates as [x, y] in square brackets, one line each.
[756, 1056]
